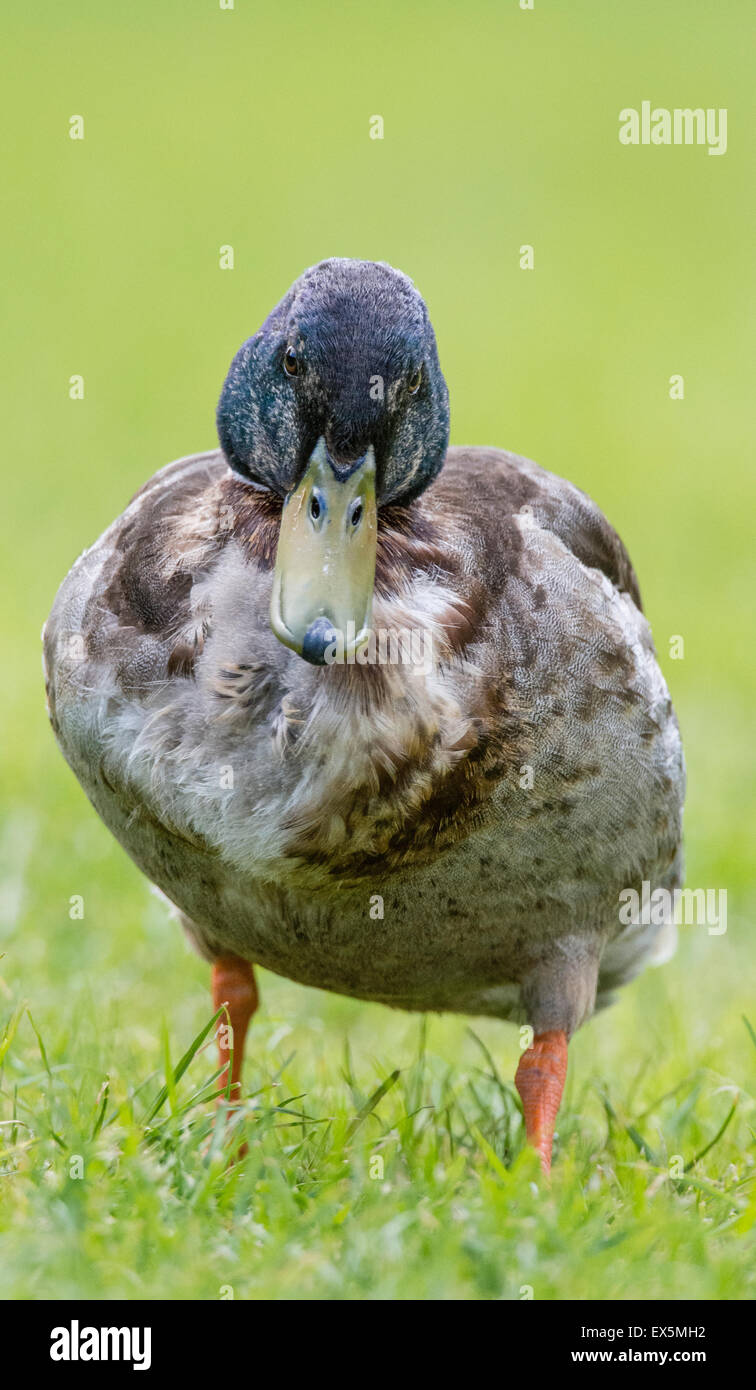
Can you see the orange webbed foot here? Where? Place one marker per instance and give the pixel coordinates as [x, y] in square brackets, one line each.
[540, 1081]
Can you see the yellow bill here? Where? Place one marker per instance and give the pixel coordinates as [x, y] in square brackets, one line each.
[322, 599]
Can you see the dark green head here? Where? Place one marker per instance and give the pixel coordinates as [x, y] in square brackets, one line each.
[348, 355]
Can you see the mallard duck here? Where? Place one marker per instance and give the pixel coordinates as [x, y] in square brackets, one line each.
[380, 715]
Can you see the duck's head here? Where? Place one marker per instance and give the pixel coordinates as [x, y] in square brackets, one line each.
[338, 405]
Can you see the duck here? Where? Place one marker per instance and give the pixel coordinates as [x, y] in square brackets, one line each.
[375, 713]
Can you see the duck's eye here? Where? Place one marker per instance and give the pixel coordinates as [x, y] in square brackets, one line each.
[291, 365]
[414, 382]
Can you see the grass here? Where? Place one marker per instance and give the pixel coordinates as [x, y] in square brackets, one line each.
[250, 127]
[385, 1154]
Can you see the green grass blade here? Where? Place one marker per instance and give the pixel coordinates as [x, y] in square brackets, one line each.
[103, 1099]
[10, 1031]
[40, 1043]
[715, 1140]
[371, 1103]
[181, 1066]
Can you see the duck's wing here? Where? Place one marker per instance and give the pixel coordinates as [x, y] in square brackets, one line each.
[557, 627]
[491, 487]
[133, 611]
[131, 618]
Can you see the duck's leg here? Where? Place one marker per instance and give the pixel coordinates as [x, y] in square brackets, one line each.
[540, 1080]
[558, 994]
[234, 989]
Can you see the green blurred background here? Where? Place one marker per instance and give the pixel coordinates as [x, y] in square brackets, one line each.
[250, 127]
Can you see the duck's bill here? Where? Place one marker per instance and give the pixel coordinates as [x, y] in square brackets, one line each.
[323, 581]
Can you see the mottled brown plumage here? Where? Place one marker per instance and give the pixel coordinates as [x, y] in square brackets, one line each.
[182, 678]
